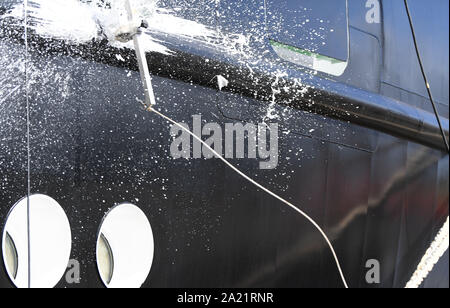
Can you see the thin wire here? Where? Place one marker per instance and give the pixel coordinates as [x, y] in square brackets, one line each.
[262, 188]
[28, 142]
[427, 84]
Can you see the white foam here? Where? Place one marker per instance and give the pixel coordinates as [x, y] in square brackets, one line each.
[80, 22]
[63, 19]
[222, 82]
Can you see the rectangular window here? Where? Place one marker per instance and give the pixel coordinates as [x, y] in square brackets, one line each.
[310, 33]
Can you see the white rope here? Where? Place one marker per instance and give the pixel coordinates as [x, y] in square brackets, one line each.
[262, 188]
[431, 258]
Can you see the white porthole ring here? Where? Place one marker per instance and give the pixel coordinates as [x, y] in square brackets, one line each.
[50, 243]
[125, 247]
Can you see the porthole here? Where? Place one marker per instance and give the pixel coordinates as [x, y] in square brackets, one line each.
[11, 258]
[50, 243]
[105, 259]
[125, 247]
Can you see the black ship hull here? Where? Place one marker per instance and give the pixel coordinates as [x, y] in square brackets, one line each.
[370, 169]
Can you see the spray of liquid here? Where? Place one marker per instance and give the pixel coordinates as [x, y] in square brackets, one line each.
[146, 80]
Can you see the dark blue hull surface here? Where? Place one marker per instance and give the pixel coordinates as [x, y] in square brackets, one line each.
[367, 166]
